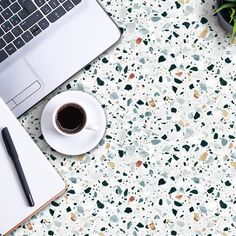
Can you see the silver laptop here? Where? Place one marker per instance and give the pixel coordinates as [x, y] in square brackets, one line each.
[44, 42]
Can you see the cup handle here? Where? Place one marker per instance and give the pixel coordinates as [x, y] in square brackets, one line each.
[91, 127]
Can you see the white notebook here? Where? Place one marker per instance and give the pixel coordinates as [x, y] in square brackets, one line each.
[44, 182]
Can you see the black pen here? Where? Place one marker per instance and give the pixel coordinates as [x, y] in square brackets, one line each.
[14, 156]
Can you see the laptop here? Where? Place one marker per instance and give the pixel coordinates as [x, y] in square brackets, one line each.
[44, 42]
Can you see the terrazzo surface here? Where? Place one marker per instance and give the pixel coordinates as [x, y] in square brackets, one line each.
[167, 162]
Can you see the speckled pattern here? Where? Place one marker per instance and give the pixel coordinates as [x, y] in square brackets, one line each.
[167, 163]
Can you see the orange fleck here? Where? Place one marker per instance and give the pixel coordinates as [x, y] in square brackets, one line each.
[196, 94]
[29, 226]
[131, 76]
[152, 103]
[73, 216]
[178, 73]
[203, 34]
[139, 40]
[131, 199]
[179, 196]
[196, 217]
[138, 163]
[152, 226]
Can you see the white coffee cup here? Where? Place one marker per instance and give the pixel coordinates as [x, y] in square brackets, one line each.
[70, 119]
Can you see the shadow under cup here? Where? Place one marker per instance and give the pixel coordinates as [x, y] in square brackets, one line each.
[70, 118]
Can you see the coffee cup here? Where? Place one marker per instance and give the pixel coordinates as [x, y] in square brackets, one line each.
[70, 119]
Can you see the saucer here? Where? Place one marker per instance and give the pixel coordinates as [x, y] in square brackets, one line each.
[86, 139]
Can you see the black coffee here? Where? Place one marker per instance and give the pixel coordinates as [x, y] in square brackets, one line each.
[70, 118]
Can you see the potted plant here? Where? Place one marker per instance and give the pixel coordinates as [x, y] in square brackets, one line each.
[226, 15]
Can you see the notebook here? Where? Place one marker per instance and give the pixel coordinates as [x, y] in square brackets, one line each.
[44, 182]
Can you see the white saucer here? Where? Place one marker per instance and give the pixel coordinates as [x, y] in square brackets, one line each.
[85, 140]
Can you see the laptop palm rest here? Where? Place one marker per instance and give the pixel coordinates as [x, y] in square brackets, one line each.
[21, 83]
[73, 44]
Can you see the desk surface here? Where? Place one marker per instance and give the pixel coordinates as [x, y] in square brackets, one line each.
[166, 165]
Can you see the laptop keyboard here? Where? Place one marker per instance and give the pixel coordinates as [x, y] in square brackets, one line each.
[22, 20]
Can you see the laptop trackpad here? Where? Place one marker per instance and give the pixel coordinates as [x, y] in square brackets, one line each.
[21, 83]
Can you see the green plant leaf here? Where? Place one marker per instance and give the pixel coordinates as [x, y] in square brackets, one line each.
[234, 31]
[231, 1]
[232, 14]
[226, 5]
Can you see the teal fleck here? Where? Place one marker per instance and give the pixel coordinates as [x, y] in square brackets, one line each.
[129, 225]
[118, 190]
[128, 210]
[87, 190]
[100, 205]
[196, 180]
[161, 182]
[100, 82]
[178, 204]
[143, 31]
[71, 191]
[118, 67]
[203, 209]
[104, 183]
[155, 141]
[128, 87]
[80, 209]
[223, 82]
[114, 218]
[73, 180]
[155, 18]
[142, 183]
[196, 57]
[172, 190]
[50, 232]
[223, 205]
[196, 115]
[104, 60]
[114, 95]
[224, 141]
[161, 59]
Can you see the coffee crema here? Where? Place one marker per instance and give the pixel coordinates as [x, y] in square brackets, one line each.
[70, 118]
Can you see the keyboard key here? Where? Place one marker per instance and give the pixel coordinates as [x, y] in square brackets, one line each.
[6, 26]
[68, 5]
[10, 49]
[7, 14]
[61, 1]
[39, 3]
[17, 31]
[27, 36]
[1, 32]
[28, 5]
[76, 2]
[15, 7]
[56, 14]
[1, 19]
[31, 20]
[46, 9]
[35, 30]
[5, 3]
[12, 0]
[8, 37]
[18, 42]
[3, 55]
[15, 20]
[23, 14]
[1, 9]
[53, 4]
[43, 24]
[2, 43]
